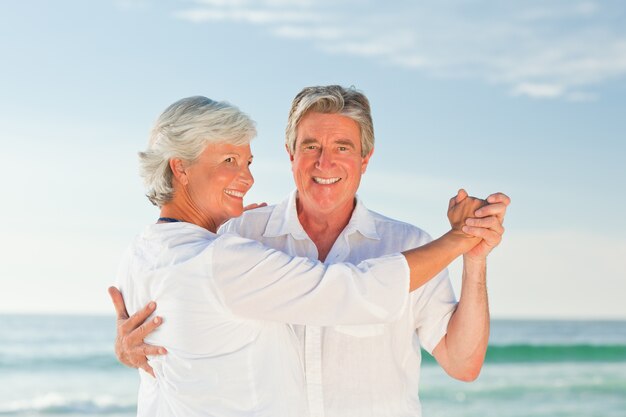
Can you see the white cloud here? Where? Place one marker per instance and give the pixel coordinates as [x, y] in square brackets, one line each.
[581, 97]
[570, 9]
[539, 51]
[127, 5]
[317, 33]
[392, 45]
[538, 90]
[244, 15]
[224, 3]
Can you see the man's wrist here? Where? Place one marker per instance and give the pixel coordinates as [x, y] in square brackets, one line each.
[474, 263]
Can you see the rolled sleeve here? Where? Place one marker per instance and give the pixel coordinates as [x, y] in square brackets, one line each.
[435, 306]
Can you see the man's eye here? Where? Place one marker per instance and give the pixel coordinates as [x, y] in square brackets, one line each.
[231, 159]
[343, 148]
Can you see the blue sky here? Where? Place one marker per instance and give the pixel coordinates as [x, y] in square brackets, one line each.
[523, 97]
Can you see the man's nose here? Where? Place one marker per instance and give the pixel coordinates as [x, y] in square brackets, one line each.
[324, 159]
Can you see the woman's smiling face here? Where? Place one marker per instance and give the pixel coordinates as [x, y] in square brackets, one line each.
[218, 180]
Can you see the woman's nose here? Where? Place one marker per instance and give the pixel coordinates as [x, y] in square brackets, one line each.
[246, 176]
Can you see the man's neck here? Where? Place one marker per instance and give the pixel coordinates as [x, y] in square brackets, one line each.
[323, 228]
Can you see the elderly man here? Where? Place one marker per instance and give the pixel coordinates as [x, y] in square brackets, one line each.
[365, 370]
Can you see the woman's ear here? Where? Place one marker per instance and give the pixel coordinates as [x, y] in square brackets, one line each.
[178, 170]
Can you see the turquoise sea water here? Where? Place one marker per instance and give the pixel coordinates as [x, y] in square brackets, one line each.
[64, 366]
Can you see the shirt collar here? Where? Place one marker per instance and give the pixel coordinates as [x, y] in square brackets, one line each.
[284, 221]
[362, 221]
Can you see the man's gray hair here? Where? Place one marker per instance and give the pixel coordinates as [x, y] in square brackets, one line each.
[183, 131]
[347, 102]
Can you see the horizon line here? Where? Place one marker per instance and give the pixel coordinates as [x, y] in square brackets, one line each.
[496, 318]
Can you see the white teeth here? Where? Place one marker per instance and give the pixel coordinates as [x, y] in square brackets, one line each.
[234, 193]
[325, 181]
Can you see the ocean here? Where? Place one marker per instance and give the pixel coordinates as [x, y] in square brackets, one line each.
[64, 366]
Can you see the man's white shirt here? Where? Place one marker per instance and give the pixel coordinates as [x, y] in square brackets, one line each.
[224, 301]
[360, 370]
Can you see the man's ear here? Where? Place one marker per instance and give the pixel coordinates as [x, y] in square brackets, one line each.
[289, 152]
[178, 170]
[365, 161]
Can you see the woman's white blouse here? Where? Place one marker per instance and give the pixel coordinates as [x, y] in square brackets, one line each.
[225, 301]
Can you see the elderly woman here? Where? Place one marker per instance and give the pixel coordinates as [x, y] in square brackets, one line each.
[225, 298]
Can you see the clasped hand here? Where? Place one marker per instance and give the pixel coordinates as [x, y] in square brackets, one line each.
[479, 220]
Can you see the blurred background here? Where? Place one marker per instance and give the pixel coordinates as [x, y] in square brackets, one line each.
[527, 98]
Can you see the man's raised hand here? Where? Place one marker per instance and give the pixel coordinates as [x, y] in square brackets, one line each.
[130, 348]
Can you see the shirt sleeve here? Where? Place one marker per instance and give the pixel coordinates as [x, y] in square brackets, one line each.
[433, 304]
[433, 309]
[262, 283]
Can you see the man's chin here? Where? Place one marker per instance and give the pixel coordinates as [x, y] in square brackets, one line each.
[327, 207]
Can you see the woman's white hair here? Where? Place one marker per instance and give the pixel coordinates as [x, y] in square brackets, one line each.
[332, 99]
[183, 131]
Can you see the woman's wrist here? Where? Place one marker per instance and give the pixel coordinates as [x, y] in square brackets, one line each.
[460, 242]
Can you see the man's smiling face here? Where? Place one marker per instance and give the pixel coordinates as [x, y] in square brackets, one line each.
[327, 164]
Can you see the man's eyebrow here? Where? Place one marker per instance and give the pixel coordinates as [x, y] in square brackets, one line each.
[308, 141]
[345, 142]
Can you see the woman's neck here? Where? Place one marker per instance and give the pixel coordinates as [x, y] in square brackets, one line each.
[189, 214]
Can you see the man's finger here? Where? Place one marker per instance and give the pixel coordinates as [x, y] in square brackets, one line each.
[499, 198]
[138, 318]
[118, 303]
[144, 330]
[493, 209]
[491, 222]
[148, 369]
[480, 222]
[490, 237]
[254, 206]
[147, 349]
